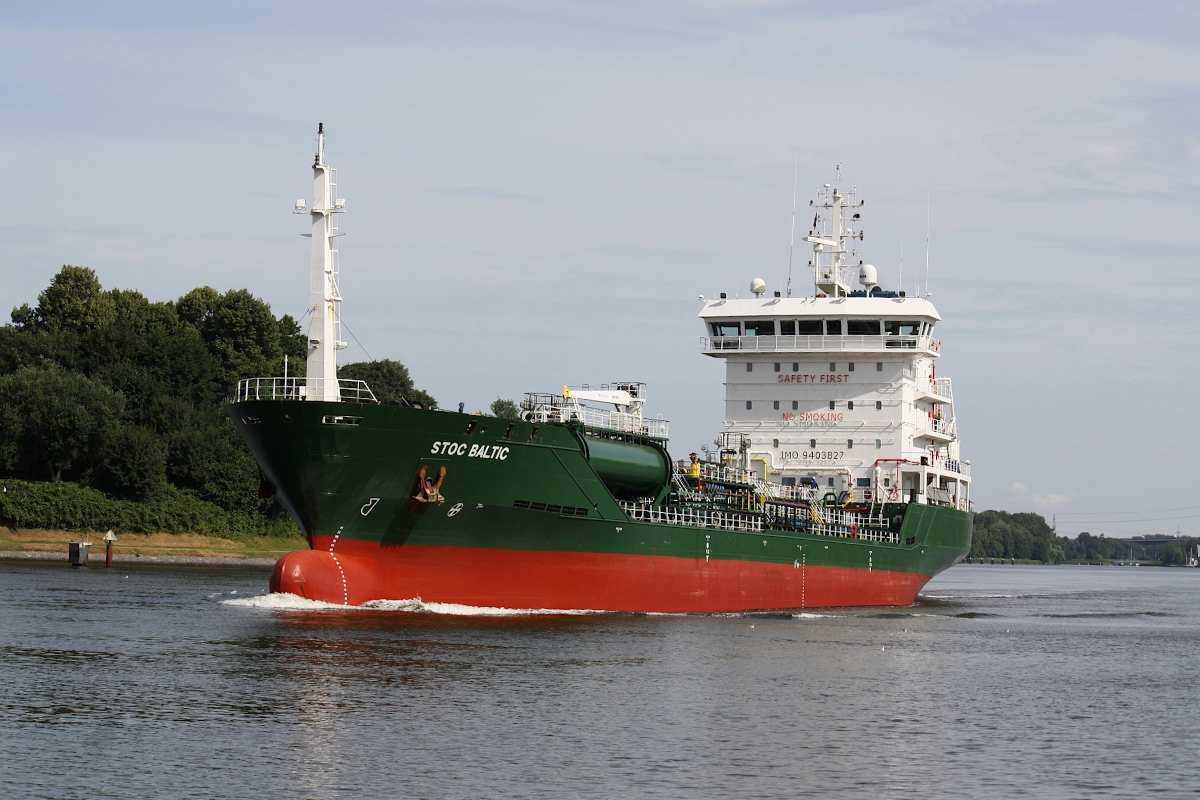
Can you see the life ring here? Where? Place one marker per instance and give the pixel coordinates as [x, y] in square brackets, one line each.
[893, 495]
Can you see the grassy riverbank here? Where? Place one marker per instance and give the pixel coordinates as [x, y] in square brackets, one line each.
[155, 544]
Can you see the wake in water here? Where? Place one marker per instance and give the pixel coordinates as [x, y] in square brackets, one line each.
[293, 602]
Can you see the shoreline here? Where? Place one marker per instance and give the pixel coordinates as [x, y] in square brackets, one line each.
[126, 559]
[158, 548]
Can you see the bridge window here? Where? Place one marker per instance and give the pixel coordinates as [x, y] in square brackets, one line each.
[725, 328]
[863, 327]
[902, 327]
[760, 327]
[809, 327]
[787, 327]
[833, 327]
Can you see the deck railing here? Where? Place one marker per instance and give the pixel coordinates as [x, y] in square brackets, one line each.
[943, 427]
[291, 388]
[553, 408]
[817, 344]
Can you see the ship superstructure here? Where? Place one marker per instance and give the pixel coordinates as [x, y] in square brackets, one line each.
[579, 505]
[838, 390]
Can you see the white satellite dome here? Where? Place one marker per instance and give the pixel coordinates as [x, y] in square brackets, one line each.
[758, 286]
[868, 276]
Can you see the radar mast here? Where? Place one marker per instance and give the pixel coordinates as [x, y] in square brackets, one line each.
[830, 233]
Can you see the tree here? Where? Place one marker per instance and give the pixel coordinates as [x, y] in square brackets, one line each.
[1172, 553]
[134, 465]
[52, 420]
[505, 409]
[73, 301]
[389, 381]
[240, 332]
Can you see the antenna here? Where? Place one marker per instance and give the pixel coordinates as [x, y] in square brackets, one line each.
[927, 193]
[792, 244]
[901, 260]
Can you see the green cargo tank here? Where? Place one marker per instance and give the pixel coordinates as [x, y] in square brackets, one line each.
[629, 470]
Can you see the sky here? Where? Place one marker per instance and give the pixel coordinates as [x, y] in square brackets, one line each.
[537, 194]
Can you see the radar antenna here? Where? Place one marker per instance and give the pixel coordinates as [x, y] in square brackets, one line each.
[792, 243]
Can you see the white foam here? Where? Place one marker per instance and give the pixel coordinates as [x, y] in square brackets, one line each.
[283, 601]
[293, 602]
[808, 615]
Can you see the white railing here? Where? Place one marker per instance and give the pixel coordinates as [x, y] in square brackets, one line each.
[692, 517]
[348, 391]
[556, 409]
[941, 388]
[941, 427]
[961, 467]
[812, 344]
[833, 522]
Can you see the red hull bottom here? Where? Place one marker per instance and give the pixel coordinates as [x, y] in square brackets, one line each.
[360, 571]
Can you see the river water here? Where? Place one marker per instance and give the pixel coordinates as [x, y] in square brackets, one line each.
[1004, 681]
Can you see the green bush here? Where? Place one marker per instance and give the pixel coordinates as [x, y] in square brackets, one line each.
[70, 507]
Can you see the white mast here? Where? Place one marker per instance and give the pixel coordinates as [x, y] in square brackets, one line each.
[324, 298]
[829, 237]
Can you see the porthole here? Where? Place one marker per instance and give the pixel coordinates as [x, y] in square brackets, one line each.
[833, 366]
[776, 405]
[850, 366]
[812, 444]
[775, 443]
[850, 405]
[832, 405]
[749, 405]
[849, 443]
[749, 366]
[795, 405]
[879, 405]
[878, 444]
[879, 366]
[777, 366]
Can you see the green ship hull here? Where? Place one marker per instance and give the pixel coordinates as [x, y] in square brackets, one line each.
[399, 503]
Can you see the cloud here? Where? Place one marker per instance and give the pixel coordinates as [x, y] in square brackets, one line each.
[1019, 492]
[483, 193]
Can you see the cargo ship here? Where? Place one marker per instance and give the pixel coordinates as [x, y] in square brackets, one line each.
[836, 480]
